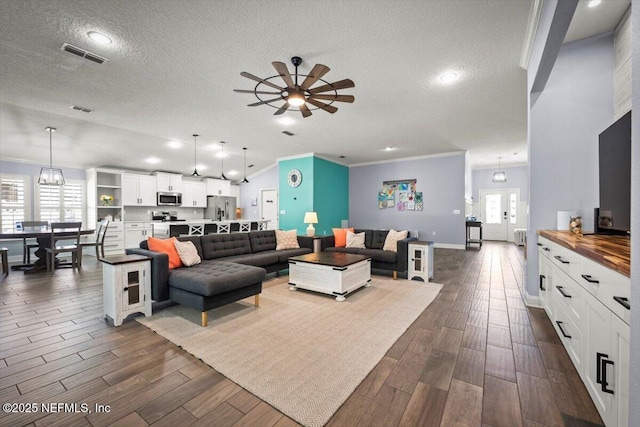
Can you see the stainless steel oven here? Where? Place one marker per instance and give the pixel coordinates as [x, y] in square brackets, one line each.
[169, 199]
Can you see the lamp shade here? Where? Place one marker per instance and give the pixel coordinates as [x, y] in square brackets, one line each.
[499, 177]
[310, 218]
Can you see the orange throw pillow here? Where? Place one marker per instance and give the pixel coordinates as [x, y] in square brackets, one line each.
[340, 236]
[166, 246]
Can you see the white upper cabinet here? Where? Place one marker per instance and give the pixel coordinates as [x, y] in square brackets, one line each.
[218, 187]
[138, 190]
[168, 182]
[194, 194]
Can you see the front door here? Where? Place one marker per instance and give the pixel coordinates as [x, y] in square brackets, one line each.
[500, 213]
[493, 214]
[269, 207]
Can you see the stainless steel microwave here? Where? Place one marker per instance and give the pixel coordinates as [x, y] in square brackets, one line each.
[169, 199]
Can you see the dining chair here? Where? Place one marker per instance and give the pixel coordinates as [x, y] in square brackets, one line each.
[4, 253]
[26, 247]
[99, 243]
[64, 227]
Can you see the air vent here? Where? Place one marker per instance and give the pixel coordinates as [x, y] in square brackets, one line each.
[83, 109]
[83, 53]
[286, 132]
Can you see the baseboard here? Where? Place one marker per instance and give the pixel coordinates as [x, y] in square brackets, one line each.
[448, 246]
[532, 300]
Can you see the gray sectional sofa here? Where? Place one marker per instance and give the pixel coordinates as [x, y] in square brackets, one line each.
[396, 262]
[233, 267]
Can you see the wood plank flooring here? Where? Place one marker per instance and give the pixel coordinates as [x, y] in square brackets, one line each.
[476, 356]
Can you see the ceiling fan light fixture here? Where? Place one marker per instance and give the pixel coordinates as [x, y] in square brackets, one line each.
[50, 175]
[296, 99]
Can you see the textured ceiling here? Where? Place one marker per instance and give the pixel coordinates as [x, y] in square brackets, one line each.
[173, 65]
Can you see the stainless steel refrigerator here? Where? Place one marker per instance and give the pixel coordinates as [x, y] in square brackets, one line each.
[220, 208]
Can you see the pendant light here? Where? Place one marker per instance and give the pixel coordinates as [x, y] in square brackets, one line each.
[222, 177]
[245, 180]
[499, 176]
[195, 155]
[51, 175]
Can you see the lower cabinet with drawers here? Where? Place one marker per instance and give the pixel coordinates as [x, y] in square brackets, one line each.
[588, 305]
[114, 238]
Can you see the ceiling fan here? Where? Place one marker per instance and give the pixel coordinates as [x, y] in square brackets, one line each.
[295, 94]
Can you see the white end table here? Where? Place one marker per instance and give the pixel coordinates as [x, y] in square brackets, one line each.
[126, 286]
[420, 260]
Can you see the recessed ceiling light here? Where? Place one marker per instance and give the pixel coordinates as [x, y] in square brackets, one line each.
[201, 167]
[221, 154]
[594, 3]
[233, 172]
[99, 38]
[174, 144]
[449, 77]
[152, 160]
[286, 121]
[388, 149]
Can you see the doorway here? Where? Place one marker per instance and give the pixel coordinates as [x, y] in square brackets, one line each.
[499, 213]
[269, 207]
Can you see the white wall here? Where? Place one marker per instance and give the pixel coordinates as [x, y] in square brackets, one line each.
[250, 191]
[565, 121]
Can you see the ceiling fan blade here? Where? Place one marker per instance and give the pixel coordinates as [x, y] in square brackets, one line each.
[328, 108]
[340, 98]
[256, 91]
[342, 84]
[255, 104]
[305, 111]
[258, 79]
[316, 73]
[282, 69]
[282, 109]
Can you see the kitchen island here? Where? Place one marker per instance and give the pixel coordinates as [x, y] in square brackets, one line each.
[165, 229]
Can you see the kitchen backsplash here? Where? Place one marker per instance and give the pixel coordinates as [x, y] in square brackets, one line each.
[134, 213]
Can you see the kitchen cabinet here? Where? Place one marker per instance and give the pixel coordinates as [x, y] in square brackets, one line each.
[135, 232]
[168, 182]
[194, 194]
[218, 187]
[588, 304]
[138, 190]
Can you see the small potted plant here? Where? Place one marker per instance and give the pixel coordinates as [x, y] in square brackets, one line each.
[106, 200]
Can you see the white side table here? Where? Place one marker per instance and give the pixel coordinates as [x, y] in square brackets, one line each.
[420, 261]
[126, 286]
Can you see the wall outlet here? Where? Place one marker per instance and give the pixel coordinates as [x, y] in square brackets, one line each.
[456, 212]
[195, 212]
[148, 212]
[283, 212]
[433, 233]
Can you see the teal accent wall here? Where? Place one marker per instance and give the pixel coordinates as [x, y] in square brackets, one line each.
[324, 189]
[294, 202]
[330, 194]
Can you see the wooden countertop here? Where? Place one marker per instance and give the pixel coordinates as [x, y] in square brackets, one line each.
[613, 252]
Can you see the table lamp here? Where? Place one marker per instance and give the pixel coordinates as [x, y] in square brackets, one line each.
[310, 218]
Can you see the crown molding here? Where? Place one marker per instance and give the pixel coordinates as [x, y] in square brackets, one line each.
[405, 159]
[530, 36]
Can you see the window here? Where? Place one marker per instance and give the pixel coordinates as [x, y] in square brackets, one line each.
[13, 201]
[513, 208]
[60, 203]
[493, 206]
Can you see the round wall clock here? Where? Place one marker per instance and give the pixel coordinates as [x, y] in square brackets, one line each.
[294, 178]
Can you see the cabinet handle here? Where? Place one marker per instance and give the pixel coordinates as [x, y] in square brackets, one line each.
[542, 277]
[546, 249]
[588, 278]
[561, 290]
[539, 244]
[125, 288]
[559, 258]
[623, 302]
[601, 371]
[562, 330]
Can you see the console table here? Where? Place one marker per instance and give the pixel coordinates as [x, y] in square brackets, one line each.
[470, 241]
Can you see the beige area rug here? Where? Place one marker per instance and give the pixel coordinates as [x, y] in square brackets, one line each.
[302, 352]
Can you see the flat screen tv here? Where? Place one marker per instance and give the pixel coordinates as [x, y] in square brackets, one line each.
[614, 215]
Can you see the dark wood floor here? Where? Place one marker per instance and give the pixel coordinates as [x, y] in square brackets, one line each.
[475, 357]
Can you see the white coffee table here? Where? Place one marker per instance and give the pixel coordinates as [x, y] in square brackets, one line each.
[332, 273]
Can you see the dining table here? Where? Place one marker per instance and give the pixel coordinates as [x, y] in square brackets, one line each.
[43, 238]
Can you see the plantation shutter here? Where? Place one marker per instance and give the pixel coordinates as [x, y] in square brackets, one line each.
[12, 201]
